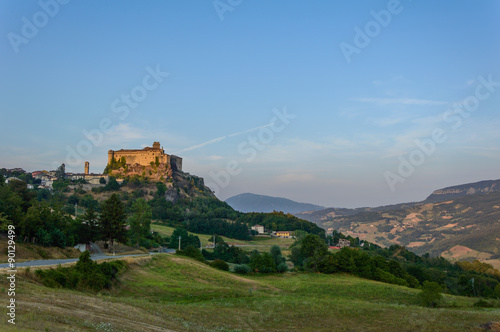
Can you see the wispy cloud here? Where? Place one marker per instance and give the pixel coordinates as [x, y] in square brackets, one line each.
[123, 132]
[401, 101]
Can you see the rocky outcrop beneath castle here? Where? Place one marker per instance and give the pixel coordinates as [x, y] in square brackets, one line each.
[154, 173]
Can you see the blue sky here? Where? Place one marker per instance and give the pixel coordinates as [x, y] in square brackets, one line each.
[362, 106]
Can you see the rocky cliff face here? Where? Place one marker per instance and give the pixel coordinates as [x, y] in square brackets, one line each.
[185, 185]
[463, 190]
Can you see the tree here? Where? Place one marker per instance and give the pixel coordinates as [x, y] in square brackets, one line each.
[162, 188]
[112, 185]
[102, 180]
[112, 220]
[430, 296]
[276, 254]
[61, 172]
[140, 221]
[311, 244]
[186, 239]
[88, 230]
[299, 234]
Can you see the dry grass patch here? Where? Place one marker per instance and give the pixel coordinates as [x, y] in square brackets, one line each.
[28, 252]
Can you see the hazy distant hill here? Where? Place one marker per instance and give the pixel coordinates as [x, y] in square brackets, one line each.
[260, 203]
[459, 222]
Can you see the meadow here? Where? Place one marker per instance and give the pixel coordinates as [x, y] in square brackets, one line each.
[170, 292]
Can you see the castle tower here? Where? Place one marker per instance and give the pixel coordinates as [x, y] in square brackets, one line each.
[156, 145]
[87, 167]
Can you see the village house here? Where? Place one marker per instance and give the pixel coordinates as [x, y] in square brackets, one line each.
[283, 234]
[344, 243]
[259, 228]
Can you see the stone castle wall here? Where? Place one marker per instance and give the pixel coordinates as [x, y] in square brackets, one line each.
[145, 156]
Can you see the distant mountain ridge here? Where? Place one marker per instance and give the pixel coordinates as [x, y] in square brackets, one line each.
[249, 202]
[457, 222]
[439, 195]
[463, 190]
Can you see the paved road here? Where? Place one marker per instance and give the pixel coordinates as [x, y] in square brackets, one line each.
[43, 262]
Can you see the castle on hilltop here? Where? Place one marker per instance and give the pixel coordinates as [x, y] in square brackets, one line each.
[145, 157]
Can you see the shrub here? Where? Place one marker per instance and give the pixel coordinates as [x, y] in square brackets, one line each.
[282, 267]
[85, 275]
[220, 264]
[242, 269]
[486, 304]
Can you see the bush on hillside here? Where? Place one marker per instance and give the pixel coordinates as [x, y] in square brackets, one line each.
[242, 269]
[86, 275]
[282, 267]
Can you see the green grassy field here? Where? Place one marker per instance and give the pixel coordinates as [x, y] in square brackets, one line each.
[259, 243]
[169, 292]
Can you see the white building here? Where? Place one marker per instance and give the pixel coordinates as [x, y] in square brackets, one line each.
[258, 228]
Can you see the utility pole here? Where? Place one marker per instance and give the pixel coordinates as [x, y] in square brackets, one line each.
[180, 242]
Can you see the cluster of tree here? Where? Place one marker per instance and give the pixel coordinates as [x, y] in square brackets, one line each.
[112, 185]
[227, 253]
[266, 262]
[20, 174]
[41, 217]
[199, 215]
[190, 208]
[235, 230]
[279, 221]
[32, 218]
[355, 242]
[397, 265]
[461, 278]
[181, 235]
[86, 275]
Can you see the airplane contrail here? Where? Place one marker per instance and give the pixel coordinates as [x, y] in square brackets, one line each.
[219, 139]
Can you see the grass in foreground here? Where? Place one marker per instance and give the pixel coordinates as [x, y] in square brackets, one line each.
[177, 293]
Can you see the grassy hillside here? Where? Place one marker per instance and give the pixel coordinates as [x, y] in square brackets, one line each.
[176, 293]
